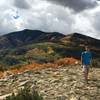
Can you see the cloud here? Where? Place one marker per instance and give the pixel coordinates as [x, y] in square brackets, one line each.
[96, 23]
[22, 4]
[83, 24]
[76, 5]
[8, 23]
[50, 17]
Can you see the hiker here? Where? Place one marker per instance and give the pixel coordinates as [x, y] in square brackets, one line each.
[86, 57]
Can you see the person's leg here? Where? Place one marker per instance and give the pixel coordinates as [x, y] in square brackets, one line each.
[85, 72]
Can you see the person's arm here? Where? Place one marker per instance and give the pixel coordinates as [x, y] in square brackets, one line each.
[91, 60]
[81, 59]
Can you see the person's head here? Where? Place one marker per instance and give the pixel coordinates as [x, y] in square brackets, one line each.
[87, 48]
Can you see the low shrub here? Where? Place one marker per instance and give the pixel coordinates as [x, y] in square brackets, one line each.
[96, 63]
[25, 94]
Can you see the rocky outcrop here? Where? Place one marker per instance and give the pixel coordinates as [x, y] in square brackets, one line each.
[59, 83]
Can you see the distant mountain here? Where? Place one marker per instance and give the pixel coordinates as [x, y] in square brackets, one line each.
[22, 46]
[77, 39]
[26, 36]
[76, 42]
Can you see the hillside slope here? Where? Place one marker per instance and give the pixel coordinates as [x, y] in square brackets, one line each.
[78, 39]
[25, 37]
[28, 46]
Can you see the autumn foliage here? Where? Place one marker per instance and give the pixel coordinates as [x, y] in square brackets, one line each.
[66, 61]
[36, 66]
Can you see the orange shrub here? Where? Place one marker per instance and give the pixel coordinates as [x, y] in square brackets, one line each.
[35, 66]
[66, 61]
[1, 74]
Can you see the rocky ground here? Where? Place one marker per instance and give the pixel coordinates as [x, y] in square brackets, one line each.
[61, 83]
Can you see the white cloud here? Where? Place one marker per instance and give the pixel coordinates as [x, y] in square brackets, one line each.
[46, 16]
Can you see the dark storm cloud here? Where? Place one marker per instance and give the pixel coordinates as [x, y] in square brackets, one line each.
[23, 4]
[76, 5]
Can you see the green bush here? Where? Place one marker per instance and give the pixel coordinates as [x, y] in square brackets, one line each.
[45, 59]
[2, 68]
[25, 94]
[10, 61]
[96, 63]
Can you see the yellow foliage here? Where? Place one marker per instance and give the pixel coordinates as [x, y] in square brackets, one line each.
[36, 52]
[50, 50]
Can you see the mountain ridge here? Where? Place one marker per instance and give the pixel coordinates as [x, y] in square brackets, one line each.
[26, 36]
[43, 47]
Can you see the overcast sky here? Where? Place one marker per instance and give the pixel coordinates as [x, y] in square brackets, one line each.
[64, 16]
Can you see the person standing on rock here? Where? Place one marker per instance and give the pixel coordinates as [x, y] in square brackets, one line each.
[86, 57]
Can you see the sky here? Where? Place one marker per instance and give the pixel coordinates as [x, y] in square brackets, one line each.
[64, 16]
